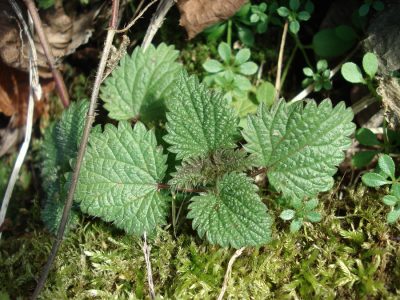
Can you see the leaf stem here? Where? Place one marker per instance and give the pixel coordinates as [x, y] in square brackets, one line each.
[288, 65]
[303, 51]
[83, 144]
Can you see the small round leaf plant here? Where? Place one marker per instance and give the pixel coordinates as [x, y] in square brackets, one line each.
[230, 74]
[125, 177]
[385, 174]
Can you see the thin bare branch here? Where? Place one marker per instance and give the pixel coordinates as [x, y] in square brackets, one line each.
[60, 85]
[34, 93]
[137, 17]
[156, 21]
[229, 271]
[83, 144]
[280, 61]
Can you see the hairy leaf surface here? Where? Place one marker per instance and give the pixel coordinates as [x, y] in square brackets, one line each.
[140, 84]
[233, 216]
[60, 145]
[119, 178]
[200, 121]
[205, 170]
[300, 146]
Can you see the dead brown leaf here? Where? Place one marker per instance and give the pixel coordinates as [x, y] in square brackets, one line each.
[65, 33]
[197, 15]
[14, 92]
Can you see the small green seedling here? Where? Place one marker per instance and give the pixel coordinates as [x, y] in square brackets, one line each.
[230, 74]
[320, 78]
[374, 146]
[366, 138]
[301, 212]
[364, 9]
[248, 20]
[386, 176]
[352, 73]
[294, 16]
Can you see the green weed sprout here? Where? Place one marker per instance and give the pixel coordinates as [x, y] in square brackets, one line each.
[353, 74]
[248, 20]
[301, 212]
[386, 176]
[320, 78]
[230, 74]
[294, 16]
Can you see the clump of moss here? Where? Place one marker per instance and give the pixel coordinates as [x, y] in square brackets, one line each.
[352, 254]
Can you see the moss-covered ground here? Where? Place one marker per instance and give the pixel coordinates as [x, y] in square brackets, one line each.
[351, 254]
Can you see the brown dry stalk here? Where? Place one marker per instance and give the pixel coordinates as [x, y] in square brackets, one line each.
[83, 144]
[60, 84]
[280, 61]
[229, 271]
[156, 21]
[138, 15]
[146, 251]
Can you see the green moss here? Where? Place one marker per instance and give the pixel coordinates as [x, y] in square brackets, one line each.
[352, 254]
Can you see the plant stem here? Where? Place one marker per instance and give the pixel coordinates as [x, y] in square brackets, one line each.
[60, 84]
[229, 33]
[288, 65]
[83, 144]
[303, 51]
[229, 271]
[280, 61]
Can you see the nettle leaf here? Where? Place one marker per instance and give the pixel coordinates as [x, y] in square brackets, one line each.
[119, 178]
[141, 83]
[205, 170]
[232, 216]
[199, 121]
[299, 146]
[60, 146]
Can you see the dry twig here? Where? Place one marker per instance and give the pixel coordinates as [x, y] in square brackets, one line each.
[35, 92]
[60, 85]
[146, 251]
[280, 61]
[229, 271]
[138, 15]
[156, 21]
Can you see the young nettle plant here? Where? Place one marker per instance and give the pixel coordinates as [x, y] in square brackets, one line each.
[385, 175]
[123, 175]
[320, 78]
